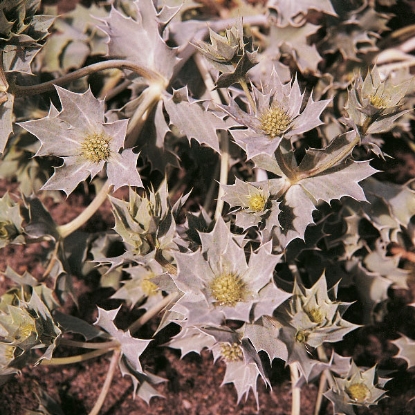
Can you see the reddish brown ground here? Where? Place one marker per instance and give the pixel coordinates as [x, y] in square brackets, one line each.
[193, 385]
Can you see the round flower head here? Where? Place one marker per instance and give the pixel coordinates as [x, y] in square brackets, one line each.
[81, 137]
[374, 103]
[254, 203]
[277, 115]
[357, 388]
[219, 281]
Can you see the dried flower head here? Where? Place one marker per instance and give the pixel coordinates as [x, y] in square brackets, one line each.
[278, 114]
[81, 137]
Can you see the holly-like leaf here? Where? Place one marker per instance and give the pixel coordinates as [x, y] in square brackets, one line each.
[406, 349]
[72, 324]
[21, 33]
[380, 262]
[6, 118]
[293, 41]
[294, 13]
[138, 38]
[263, 335]
[372, 288]
[191, 339]
[193, 120]
[131, 347]
[74, 38]
[302, 188]
[349, 39]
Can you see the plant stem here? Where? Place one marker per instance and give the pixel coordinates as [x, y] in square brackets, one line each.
[224, 141]
[224, 170]
[55, 361]
[106, 386]
[149, 314]
[244, 85]
[151, 76]
[295, 391]
[150, 98]
[68, 228]
[323, 357]
[321, 390]
[86, 345]
[325, 376]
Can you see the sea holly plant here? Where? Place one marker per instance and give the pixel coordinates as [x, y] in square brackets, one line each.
[229, 168]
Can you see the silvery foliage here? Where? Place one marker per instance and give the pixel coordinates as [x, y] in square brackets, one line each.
[296, 134]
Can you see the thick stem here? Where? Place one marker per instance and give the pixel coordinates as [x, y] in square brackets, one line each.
[150, 98]
[149, 314]
[224, 141]
[86, 345]
[321, 390]
[152, 76]
[325, 377]
[68, 228]
[106, 386]
[295, 391]
[56, 361]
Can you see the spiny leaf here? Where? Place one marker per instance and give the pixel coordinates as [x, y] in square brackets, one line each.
[139, 39]
[131, 347]
[294, 13]
[406, 349]
[6, 117]
[293, 40]
[193, 120]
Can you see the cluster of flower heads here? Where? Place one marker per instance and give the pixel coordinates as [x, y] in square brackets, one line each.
[219, 285]
[28, 333]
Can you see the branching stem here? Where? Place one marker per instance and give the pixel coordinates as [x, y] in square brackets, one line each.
[86, 345]
[56, 361]
[224, 140]
[150, 98]
[68, 228]
[152, 76]
[106, 386]
[325, 377]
